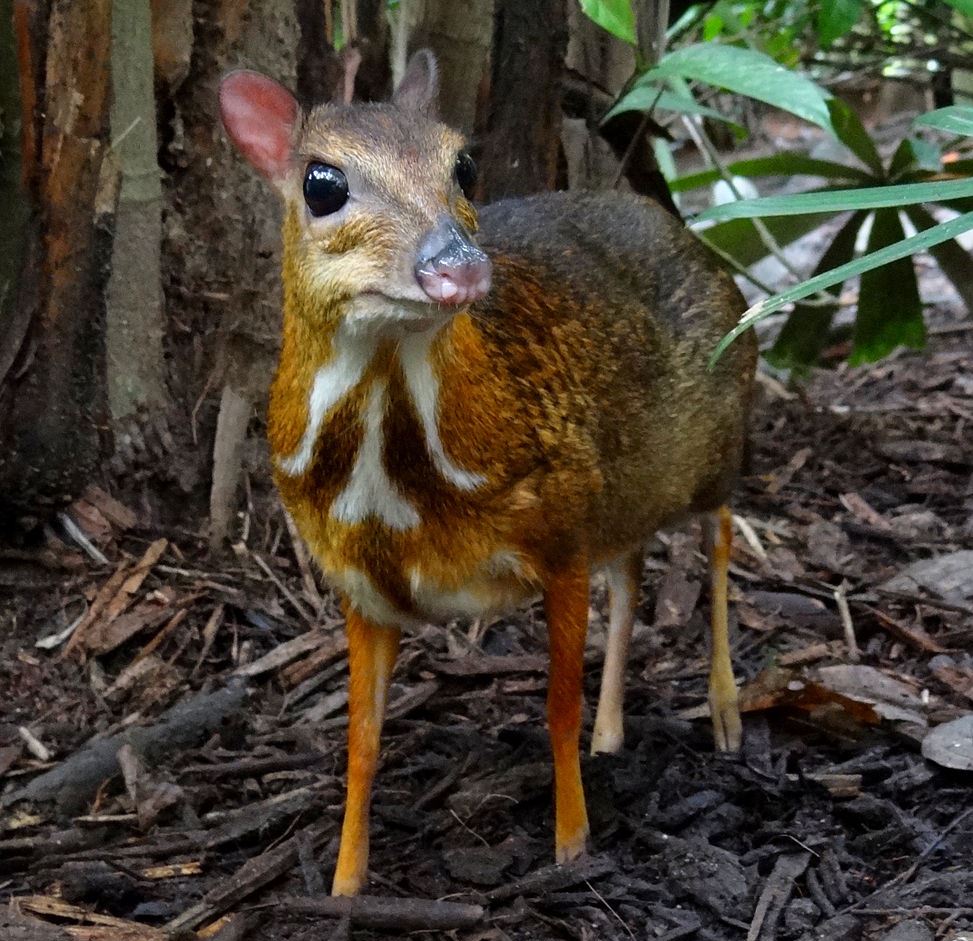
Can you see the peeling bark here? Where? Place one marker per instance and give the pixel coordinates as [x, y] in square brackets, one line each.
[52, 400]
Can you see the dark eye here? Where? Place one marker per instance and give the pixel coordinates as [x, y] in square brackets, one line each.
[325, 189]
[465, 173]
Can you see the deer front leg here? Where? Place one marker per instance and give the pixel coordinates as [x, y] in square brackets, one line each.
[371, 657]
[566, 606]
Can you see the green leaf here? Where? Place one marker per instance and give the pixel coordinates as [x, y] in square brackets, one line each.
[889, 308]
[955, 119]
[849, 129]
[835, 18]
[903, 160]
[785, 163]
[644, 97]
[919, 242]
[840, 200]
[614, 15]
[740, 240]
[805, 333]
[747, 73]
[953, 260]
[963, 6]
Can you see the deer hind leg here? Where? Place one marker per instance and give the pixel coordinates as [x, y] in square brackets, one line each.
[371, 656]
[566, 606]
[723, 704]
[624, 576]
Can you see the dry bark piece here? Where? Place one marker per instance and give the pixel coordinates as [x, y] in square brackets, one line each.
[75, 781]
[951, 744]
[776, 894]
[91, 925]
[17, 927]
[251, 876]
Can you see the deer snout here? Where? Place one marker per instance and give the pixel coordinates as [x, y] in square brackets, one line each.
[450, 268]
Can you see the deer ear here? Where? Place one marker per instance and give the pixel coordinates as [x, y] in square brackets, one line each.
[419, 88]
[260, 115]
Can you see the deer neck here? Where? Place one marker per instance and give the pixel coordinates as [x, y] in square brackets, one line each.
[334, 385]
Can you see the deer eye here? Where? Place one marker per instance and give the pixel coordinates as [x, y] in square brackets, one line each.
[465, 173]
[325, 189]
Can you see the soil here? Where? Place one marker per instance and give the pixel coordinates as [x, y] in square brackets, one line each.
[829, 824]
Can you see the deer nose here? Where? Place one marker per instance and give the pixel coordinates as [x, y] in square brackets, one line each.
[450, 268]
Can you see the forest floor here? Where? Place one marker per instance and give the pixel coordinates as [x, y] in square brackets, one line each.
[848, 814]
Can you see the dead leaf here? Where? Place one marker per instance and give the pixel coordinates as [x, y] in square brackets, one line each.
[951, 744]
[891, 698]
[950, 576]
[676, 599]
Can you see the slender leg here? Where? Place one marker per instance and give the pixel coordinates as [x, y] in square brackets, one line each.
[723, 704]
[371, 657]
[566, 604]
[624, 577]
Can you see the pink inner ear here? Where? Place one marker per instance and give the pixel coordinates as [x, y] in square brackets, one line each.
[259, 115]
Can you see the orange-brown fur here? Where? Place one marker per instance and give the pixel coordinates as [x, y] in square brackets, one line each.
[575, 411]
[593, 428]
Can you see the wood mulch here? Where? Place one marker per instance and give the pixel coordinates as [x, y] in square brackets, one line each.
[173, 767]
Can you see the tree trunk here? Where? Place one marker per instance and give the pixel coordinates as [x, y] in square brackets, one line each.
[52, 391]
[221, 249]
[136, 375]
[522, 149]
[460, 34]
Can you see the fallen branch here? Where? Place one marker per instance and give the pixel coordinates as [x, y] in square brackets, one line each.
[75, 781]
[254, 874]
[379, 912]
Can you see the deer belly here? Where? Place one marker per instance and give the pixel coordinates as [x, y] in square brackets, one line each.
[433, 594]
[499, 584]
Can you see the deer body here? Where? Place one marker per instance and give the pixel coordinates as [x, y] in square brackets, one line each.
[453, 465]
[457, 428]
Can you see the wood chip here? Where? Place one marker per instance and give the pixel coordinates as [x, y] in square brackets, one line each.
[286, 652]
[951, 744]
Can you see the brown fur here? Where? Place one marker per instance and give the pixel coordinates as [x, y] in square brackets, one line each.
[577, 389]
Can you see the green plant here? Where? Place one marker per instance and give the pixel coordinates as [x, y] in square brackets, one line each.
[876, 193]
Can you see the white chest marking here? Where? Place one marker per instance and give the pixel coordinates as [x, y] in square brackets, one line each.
[423, 387]
[369, 491]
[331, 384]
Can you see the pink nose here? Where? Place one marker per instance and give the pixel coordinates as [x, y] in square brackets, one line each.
[450, 268]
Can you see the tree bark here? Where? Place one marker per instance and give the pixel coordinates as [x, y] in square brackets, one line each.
[135, 330]
[522, 149]
[52, 396]
[460, 34]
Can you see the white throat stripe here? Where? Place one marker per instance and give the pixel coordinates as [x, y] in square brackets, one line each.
[369, 491]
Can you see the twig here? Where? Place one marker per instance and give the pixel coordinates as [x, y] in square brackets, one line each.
[384, 912]
[34, 745]
[77, 534]
[303, 563]
[604, 902]
[301, 610]
[750, 536]
[841, 600]
[554, 878]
